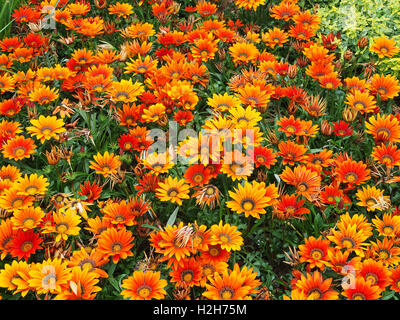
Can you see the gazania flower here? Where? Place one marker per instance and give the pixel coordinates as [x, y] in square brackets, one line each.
[251, 199]
[372, 198]
[274, 37]
[174, 242]
[226, 286]
[43, 95]
[197, 174]
[384, 128]
[388, 225]
[339, 261]
[237, 166]
[97, 225]
[46, 128]
[288, 206]
[49, 276]
[125, 90]
[188, 273]
[10, 107]
[15, 276]
[342, 129]
[207, 196]
[330, 81]
[18, 148]
[249, 4]
[173, 190]
[121, 10]
[223, 102]
[244, 118]
[290, 126]
[82, 285]
[7, 83]
[301, 32]
[264, 156]
[317, 287]
[226, 236]
[314, 252]
[204, 49]
[384, 47]
[362, 290]
[89, 260]
[291, 152]
[360, 221]
[32, 185]
[12, 200]
[144, 286]
[361, 101]
[254, 96]
[91, 191]
[7, 232]
[27, 218]
[115, 243]
[387, 86]
[374, 272]
[388, 155]
[307, 19]
[284, 10]
[142, 66]
[119, 214]
[349, 239]
[385, 251]
[352, 172]
[243, 52]
[65, 224]
[105, 164]
[24, 244]
[307, 182]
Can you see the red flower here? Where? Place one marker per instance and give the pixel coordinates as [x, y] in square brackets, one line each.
[342, 129]
[91, 191]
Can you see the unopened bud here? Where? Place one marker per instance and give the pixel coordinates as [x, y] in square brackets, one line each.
[349, 114]
[326, 128]
[348, 55]
[292, 71]
[363, 42]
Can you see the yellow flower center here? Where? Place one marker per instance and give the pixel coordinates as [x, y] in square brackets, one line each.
[302, 187]
[247, 205]
[387, 229]
[187, 276]
[358, 296]
[116, 247]
[27, 246]
[226, 293]
[316, 254]
[210, 191]
[223, 237]
[62, 227]
[372, 277]
[383, 255]
[20, 151]
[198, 177]
[348, 243]
[208, 270]
[315, 294]
[214, 252]
[351, 177]
[28, 222]
[31, 190]
[143, 291]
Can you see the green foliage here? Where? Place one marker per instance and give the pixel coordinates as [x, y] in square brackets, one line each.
[6, 9]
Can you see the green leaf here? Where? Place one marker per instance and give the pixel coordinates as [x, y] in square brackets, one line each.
[172, 217]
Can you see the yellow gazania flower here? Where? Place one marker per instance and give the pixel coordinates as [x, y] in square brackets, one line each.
[27, 218]
[46, 128]
[226, 236]
[153, 113]
[105, 164]
[173, 190]
[372, 198]
[245, 118]
[65, 223]
[49, 276]
[43, 95]
[32, 185]
[158, 163]
[252, 198]
[15, 277]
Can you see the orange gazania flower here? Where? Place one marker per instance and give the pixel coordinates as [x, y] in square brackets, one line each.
[15, 276]
[197, 175]
[352, 172]
[388, 155]
[18, 148]
[307, 182]
[349, 239]
[125, 90]
[384, 128]
[387, 86]
[7, 83]
[82, 285]
[291, 152]
[119, 214]
[144, 286]
[121, 10]
[290, 126]
[362, 290]
[115, 243]
[395, 279]
[288, 206]
[284, 10]
[374, 272]
[11, 200]
[264, 156]
[372, 198]
[46, 128]
[315, 286]
[388, 225]
[89, 259]
[243, 52]
[384, 47]
[314, 252]
[173, 189]
[188, 273]
[49, 276]
[43, 95]
[27, 218]
[204, 49]
[386, 251]
[275, 37]
[66, 223]
[361, 101]
[227, 286]
[91, 191]
[105, 164]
